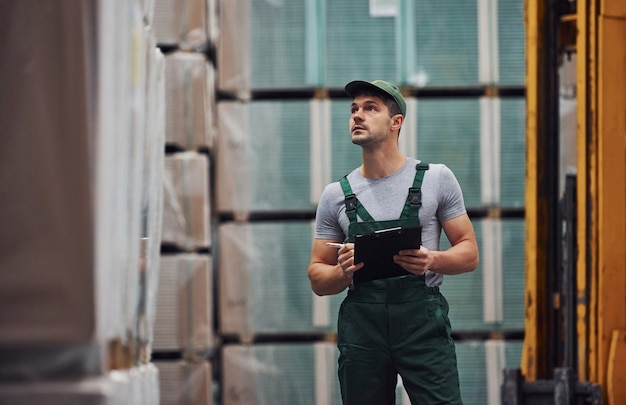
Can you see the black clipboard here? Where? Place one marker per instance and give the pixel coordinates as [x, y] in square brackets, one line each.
[377, 249]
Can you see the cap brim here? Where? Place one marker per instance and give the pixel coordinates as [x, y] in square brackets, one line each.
[354, 87]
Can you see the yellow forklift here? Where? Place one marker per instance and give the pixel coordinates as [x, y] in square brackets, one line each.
[575, 329]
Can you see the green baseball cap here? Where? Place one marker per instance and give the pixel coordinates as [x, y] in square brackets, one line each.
[355, 87]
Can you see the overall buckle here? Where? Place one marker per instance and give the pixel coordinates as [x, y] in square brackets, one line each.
[351, 202]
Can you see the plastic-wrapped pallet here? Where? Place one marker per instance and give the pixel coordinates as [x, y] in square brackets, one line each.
[122, 91]
[366, 18]
[261, 44]
[280, 374]
[501, 39]
[118, 191]
[276, 45]
[187, 24]
[491, 298]
[299, 373]
[309, 145]
[190, 94]
[145, 384]
[186, 202]
[485, 157]
[264, 288]
[265, 157]
[84, 392]
[152, 199]
[147, 7]
[268, 45]
[185, 382]
[71, 168]
[480, 365]
[297, 44]
[137, 386]
[184, 317]
[498, 180]
[464, 44]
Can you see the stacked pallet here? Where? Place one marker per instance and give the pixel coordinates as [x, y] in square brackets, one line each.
[81, 168]
[282, 135]
[184, 337]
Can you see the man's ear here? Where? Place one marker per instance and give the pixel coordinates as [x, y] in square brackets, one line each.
[396, 122]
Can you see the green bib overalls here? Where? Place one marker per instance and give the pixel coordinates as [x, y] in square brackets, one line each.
[394, 325]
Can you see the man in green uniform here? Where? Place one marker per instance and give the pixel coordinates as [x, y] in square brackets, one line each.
[394, 319]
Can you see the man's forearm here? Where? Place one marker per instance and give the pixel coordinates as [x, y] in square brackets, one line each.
[327, 279]
[461, 258]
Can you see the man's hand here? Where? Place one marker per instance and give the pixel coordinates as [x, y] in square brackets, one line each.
[346, 260]
[416, 261]
[331, 268]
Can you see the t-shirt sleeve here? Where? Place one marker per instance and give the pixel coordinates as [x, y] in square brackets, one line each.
[451, 203]
[326, 218]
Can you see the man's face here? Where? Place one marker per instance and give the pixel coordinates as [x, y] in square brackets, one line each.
[370, 122]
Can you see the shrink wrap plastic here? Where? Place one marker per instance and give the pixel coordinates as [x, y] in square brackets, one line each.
[270, 45]
[300, 44]
[73, 176]
[186, 24]
[263, 284]
[489, 298]
[137, 386]
[152, 198]
[233, 50]
[480, 366]
[267, 157]
[47, 241]
[185, 382]
[190, 104]
[186, 203]
[184, 318]
[280, 374]
[147, 7]
[297, 373]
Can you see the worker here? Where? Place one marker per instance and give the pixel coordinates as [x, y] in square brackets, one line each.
[393, 320]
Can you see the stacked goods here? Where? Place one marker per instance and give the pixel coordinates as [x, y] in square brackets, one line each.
[82, 166]
[184, 337]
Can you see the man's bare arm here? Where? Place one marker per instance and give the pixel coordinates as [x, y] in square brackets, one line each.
[330, 270]
[461, 257]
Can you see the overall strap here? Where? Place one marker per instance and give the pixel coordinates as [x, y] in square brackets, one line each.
[353, 206]
[414, 199]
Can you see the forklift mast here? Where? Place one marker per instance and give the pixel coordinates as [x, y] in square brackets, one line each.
[575, 327]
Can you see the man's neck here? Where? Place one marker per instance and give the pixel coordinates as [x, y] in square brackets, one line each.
[378, 165]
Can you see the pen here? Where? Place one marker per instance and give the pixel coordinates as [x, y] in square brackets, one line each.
[335, 245]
